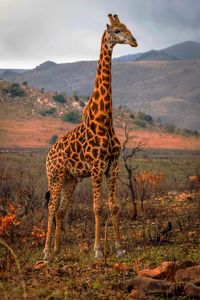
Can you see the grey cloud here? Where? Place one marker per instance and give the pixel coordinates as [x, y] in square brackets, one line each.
[32, 31]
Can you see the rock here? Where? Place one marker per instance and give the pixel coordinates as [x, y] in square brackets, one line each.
[188, 274]
[165, 271]
[191, 290]
[152, 286]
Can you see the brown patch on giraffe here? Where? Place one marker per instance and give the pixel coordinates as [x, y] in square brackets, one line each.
[95, 152]
[102, 89]
[107, 106]
[93, 127]
[95, 107]
[101, 130]
[78, 146]
[101, 105]
[75, 156]
[89, 134]
[107, 58]
[106, 78]
[101, 118]
[97, 83]
[108, 122]
[79, 165]
[104, 142]
[107, 97]
[106, 85]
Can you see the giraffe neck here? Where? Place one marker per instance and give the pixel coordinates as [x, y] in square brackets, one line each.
[99, 107]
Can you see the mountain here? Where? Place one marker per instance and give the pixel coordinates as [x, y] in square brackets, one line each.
[186, 50]
[164, 88]
[156, 55]
[11, 72]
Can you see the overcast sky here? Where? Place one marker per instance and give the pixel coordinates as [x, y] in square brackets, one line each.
[34, 31]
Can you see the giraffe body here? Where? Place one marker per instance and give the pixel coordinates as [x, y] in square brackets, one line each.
[90, 150]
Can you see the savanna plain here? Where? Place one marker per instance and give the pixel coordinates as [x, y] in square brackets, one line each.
[166, 228]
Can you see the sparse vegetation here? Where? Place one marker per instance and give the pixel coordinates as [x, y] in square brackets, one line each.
[75, 95]
[15, 90]
[73, 117]
[75, 273]
[59, 98]
[25, 83]
[169, 128]
[53, 139]
[142, 120]
[48, 112]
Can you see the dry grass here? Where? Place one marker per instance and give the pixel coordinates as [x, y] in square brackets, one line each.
[75, 274]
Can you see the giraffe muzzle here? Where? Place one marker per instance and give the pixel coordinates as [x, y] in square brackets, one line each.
[133, 42]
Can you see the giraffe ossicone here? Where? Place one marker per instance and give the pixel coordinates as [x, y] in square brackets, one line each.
[90, 150]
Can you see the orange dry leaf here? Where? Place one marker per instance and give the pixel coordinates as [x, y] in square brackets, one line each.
[38, 233]
[84, 247]
[12, 208]
[8, 220]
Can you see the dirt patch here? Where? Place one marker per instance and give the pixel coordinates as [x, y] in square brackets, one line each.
[36, 132]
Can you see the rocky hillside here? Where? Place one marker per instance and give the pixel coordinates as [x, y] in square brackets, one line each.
[163, 83]
[33, 118]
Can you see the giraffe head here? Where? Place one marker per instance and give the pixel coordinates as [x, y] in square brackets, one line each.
[118, 33]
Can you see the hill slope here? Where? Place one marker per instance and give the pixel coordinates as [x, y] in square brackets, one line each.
[31, 119]
[158, 84]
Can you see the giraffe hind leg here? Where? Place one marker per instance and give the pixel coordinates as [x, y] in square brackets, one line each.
[52, 209]
[66, 197]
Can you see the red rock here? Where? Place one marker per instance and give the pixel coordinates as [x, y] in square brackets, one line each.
[165, 271]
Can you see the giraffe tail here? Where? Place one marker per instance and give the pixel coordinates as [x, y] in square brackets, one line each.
[46, 200]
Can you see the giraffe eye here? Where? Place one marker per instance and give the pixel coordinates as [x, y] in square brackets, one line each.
[116, 31]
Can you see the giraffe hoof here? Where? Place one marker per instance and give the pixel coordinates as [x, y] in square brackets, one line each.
[98, 254]
[46, 256]
[120, 253]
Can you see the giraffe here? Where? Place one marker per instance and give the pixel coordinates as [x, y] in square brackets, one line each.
[90, 150]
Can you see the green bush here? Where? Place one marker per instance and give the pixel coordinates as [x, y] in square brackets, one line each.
[75, 95]
[82, 103]
[144, 117]
[53, 139]
[59, 98]
[15, 90]
[169, 128]
[141, 123]
[189, 132]
[73, 117]
[48, 112]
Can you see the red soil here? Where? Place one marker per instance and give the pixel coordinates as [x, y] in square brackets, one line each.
[36, 132]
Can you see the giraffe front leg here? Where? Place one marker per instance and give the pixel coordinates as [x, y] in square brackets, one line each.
[97, 208]
[112, 204]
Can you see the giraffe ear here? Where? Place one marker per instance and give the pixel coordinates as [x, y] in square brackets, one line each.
[108, 26]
